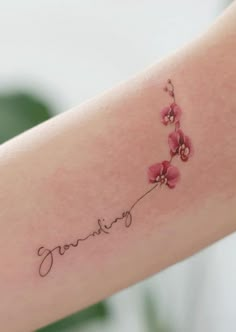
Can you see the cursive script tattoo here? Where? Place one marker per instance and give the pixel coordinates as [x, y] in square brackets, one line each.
[162, 173]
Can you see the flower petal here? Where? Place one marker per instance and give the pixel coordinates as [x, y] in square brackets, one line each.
[173, 176]
[166, 165]
[164, 113]
[181, 136]
[173, 141]
[154, 171]
[188, 144]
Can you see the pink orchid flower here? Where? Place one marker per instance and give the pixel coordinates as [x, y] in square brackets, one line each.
[170, 114]
[180, 144]
[164, 173]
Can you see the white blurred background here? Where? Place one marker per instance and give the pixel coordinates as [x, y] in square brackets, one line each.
[69, 51]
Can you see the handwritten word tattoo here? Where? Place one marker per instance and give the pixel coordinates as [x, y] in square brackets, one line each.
[159, 174]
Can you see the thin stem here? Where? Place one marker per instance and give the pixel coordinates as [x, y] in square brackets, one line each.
[141, 197]
[172, 89]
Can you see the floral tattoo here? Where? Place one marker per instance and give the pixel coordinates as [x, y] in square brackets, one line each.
[179, 144]
[161, 173]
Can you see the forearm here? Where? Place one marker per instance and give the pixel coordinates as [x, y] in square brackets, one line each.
[91, 163]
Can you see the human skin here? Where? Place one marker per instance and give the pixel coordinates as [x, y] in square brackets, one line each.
[91, 162]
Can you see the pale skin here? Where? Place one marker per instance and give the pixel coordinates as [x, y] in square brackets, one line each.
[91, 162]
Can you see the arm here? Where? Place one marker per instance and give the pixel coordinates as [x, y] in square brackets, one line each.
[82, 216]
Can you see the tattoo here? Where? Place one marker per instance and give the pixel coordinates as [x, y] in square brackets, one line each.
[162, 173]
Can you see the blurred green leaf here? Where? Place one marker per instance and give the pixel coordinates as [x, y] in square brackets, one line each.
[153, 322]
[96, 312]
[19, 112]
